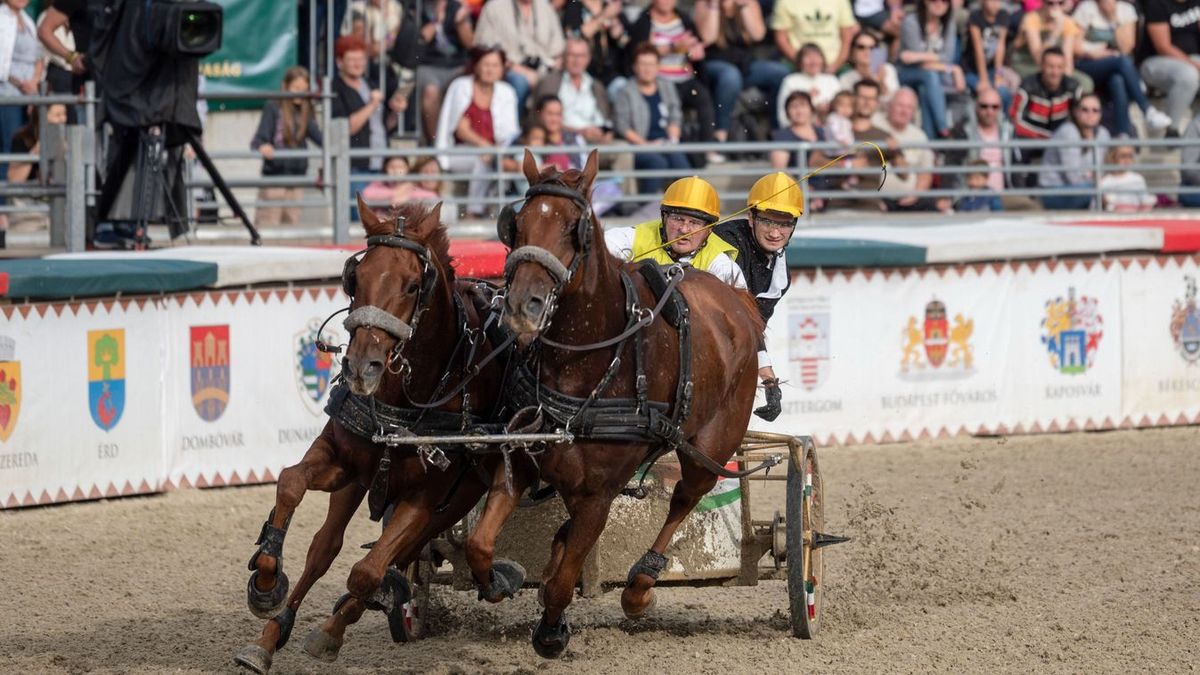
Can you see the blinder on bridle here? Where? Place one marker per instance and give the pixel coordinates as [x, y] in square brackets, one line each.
[506, 223]
[375, 317]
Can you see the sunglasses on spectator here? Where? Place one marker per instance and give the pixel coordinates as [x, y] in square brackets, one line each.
[988, 106]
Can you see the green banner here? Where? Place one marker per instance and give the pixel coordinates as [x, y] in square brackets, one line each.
[258, 44]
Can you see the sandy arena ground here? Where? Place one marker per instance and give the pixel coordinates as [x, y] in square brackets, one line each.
[1069, 553]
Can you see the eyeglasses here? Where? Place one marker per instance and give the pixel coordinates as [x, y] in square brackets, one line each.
[774, 225]
[988, 106]
[683, 221]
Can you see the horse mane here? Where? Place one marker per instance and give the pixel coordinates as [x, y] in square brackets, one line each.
[432, 236]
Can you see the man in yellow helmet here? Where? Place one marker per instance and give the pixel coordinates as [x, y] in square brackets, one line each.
[689, 207]
[776, 203]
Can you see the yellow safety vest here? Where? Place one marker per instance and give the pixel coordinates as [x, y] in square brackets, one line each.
[647, 245]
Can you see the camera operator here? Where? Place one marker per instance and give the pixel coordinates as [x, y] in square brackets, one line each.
[531, 36]
[75, 16]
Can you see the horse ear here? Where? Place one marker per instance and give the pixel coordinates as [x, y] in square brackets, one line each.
[371, 222]
[421, 227]
[530, 167]
[590, 169]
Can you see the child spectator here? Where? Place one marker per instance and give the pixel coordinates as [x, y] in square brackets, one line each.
[388, 192]
[1125, 191]
[285, 124]
[837, 122]
[977, 181]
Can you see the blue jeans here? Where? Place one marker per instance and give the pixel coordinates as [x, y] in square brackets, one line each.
[12, 117]
[932, 95]
[1006, 96]
[727, 81]
[1190, 200]
[658, 162]
[1067, 202]
[1120, 78]
[521, 84]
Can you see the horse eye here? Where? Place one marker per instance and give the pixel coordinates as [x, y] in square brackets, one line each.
[412, 288]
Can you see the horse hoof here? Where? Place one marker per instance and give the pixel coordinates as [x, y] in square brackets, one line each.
[255, 658]
[550, 642]
[321, 646]
[507, 579]
[636, 608]
[266, 604]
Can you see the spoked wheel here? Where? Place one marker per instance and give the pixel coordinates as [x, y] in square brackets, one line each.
[805, 521]
[416, 611]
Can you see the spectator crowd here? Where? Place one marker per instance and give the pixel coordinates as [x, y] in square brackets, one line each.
[498, 74]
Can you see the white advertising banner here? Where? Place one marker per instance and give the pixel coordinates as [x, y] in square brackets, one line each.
[1161, 329]
[875, 356]
[101, 399]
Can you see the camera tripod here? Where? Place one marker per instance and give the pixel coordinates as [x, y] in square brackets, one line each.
[158, 175]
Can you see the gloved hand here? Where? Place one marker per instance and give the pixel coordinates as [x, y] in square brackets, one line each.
[774, 404]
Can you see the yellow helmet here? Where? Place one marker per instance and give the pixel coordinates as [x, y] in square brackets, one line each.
[694, 195]
[777, 192]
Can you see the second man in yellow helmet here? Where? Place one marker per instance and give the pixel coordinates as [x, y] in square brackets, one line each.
[683, 234]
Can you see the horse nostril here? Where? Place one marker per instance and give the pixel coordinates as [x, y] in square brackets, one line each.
[374, 369]
[534, 306]
[347, 367]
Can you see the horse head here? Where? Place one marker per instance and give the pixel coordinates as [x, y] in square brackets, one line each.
[390, 284]
[555, 231]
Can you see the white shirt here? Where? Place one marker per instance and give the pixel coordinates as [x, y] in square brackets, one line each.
[827, 86]
[579, 105]
[620, 243]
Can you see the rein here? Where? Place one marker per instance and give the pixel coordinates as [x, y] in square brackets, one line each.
[641, 318]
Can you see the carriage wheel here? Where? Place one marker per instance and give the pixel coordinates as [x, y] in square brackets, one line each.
[805, 518]
[416, 610]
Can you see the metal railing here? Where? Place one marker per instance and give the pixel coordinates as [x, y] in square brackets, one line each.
[329, 190]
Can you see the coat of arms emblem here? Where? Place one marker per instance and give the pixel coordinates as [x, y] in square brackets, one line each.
[10, 387]
[106, 376]
[315, 369]
[210, 370]
[1185, 324]
[1071, 331]
[935, 343]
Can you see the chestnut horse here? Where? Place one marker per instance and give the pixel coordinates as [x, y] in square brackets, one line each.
[404, 326]
[564, 286]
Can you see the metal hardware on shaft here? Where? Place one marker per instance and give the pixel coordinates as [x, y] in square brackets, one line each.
[466, 439]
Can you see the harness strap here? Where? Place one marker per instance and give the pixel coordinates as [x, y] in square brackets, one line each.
[636, 322]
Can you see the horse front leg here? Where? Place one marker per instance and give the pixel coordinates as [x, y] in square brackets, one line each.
[719, 441]
[268, 585]
[588, 518]
[497, 579]
[325, 546]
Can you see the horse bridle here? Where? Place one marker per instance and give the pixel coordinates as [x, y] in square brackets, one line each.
[506, 229]
[370, 316]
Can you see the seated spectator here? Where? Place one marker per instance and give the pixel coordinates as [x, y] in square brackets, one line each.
[480, 110]
[429, 188]
[837, 122]
[27, 140]
[882, 18]
[584, 102]
[829, 24]
[1044, 100]
[531, 36]
[869, 60]
[1125, 190]
[390, 192]
[1189, 157]
[901, 179]
[929, 57]
[549, 113]
[602, 24]
[1104, 53]
[977, 181]
[375, 22]
[648, 113]
[285, 124]
[730, 29]
[1048, 27]
[802, 128]
[866, 104]
[811, 78]
[674, 35]
[1073, 163]
[986, 49]
[1173, 31]
[445, 37]
[987, 132]
[897, 122]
